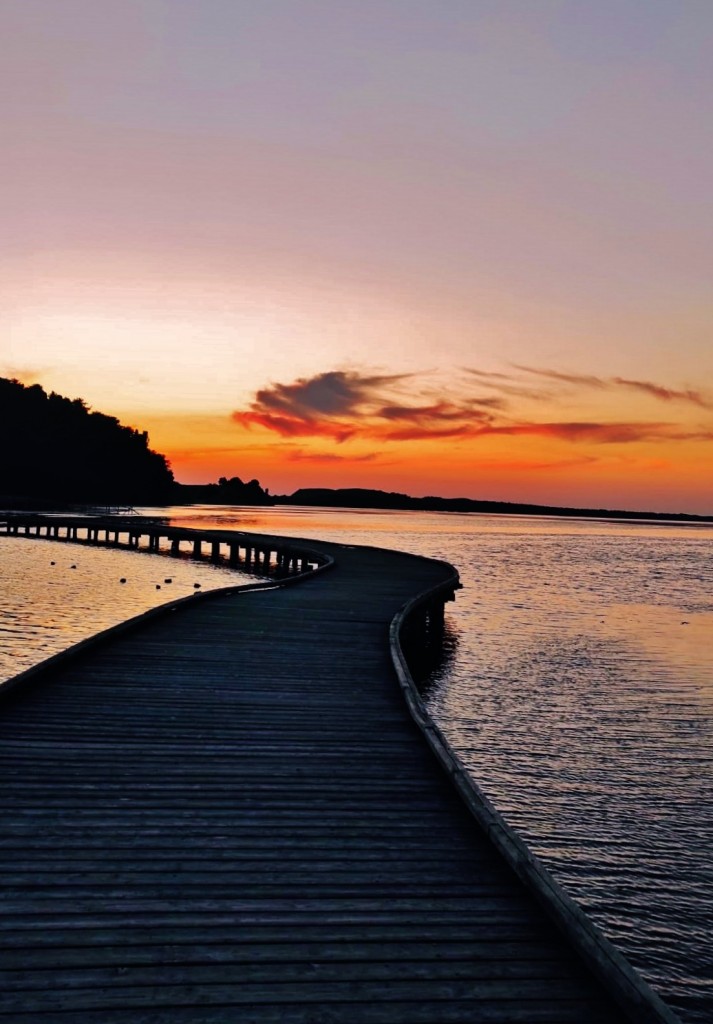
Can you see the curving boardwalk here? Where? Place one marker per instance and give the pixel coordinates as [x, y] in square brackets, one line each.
[227, 815]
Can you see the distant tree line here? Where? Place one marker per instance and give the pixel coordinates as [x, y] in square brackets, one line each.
[361, 497]
[226, 492]
[57, 448]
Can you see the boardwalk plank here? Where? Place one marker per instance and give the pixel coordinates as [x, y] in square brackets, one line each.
[228, 814]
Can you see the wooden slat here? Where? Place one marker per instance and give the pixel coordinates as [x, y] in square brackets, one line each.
[227, 814]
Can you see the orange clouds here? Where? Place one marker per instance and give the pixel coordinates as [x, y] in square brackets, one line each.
[313, 406]
[341, 405]
[472, 432]
[294, 426]
[604, 433]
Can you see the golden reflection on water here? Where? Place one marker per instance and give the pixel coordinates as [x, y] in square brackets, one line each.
[579, 692]
[55, 593]
[328, 522]
[681, 639]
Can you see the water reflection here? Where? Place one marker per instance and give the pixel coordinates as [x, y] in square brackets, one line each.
[55, 594]
[577, 686]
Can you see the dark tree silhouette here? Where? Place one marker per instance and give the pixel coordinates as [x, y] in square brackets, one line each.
[57, 448]
[226, 492]
[360, 497]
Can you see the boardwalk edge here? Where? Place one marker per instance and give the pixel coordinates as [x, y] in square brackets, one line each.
[633, 994]
[70, 654]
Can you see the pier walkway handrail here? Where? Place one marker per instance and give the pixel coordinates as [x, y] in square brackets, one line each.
[294, 854]
[262, 554]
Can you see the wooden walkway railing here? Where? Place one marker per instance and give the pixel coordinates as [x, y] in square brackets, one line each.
[224, 812]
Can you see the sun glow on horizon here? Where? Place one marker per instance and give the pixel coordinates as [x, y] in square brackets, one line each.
[455, 249]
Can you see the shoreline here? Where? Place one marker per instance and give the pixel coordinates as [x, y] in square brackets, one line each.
[452, 506]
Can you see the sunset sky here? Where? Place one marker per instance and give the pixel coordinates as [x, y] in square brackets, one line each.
[457, 247]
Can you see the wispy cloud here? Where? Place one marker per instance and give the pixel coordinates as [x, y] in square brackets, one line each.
[660, 391]
[665, 394]
[507, 384]
[294, 426]
[343, 405]
[588, 380]
[299, 455]
[428, 433]
[601, 433]
[536, 465]
[440, 412]
[488, 374]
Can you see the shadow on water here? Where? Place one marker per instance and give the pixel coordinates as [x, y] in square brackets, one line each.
[431, 659]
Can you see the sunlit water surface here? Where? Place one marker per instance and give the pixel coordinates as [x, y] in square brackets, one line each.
[577, 688]
[54, 594]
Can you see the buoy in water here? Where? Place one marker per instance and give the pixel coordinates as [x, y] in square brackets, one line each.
[196, 586]
[123, 579]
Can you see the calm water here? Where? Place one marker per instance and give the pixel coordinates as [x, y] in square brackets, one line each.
[578, 689]
[54, 594]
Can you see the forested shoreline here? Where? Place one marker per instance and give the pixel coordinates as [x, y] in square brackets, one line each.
[58, 452]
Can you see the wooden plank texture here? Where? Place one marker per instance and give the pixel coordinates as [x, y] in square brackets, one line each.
[228, 815]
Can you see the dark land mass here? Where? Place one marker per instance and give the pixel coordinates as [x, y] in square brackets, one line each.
[58, 453]
[58, 450]
[358, 497]
[225, 492]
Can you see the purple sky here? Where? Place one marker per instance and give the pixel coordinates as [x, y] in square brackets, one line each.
[205, 198]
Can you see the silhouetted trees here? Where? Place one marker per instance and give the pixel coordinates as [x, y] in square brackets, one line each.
[57, 448]
[361, 497]
[226, 492]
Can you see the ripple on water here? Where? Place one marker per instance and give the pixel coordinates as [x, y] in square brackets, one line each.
[579, 700]
[46, 607]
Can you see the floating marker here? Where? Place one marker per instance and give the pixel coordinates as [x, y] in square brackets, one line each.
[123, 579]
[196, 585]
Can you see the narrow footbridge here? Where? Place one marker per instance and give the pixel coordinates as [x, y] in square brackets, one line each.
[235, 809]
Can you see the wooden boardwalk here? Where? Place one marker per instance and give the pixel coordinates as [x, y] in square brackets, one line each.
[227, 815]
